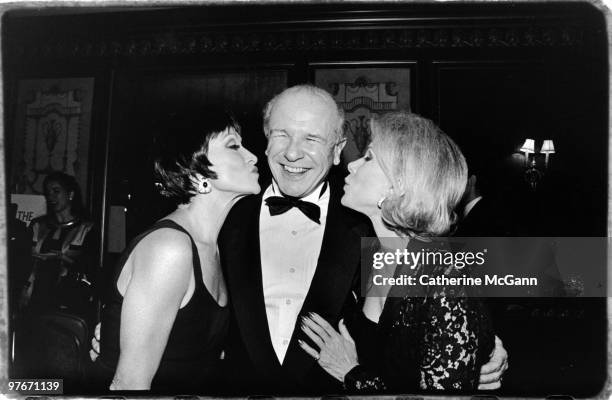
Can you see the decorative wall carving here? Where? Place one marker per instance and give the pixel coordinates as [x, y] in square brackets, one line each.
[170, 43]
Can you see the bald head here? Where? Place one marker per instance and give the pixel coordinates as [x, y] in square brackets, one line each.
[303, 125]
[314, 95]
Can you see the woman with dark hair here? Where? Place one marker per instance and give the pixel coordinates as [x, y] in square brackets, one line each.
[60, 247]
[167, 314]
[420, 337]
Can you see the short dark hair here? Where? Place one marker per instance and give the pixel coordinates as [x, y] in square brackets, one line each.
[181, 147]
[69, 184]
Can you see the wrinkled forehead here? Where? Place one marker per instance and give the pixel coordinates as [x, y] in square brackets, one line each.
[304, 110]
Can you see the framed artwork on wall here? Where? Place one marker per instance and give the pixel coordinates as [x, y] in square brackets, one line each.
[52, 132]
[364, 90]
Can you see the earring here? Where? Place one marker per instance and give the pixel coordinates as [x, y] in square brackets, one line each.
[380, 202]
[204, 187]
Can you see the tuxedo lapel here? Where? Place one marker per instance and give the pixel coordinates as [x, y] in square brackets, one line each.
[242, 264]
[332, 281]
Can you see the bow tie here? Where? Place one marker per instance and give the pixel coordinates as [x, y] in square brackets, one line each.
[281, 204]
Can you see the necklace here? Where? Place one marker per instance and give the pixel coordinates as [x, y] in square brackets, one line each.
[66, 224]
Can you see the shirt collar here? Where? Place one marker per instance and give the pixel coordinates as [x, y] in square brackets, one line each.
[470, 205]
[320, 193]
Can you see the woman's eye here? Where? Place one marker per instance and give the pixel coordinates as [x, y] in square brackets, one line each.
[234, 146]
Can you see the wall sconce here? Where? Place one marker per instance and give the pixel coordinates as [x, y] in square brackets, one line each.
[532, 174]
[548, 148]
[528, 148]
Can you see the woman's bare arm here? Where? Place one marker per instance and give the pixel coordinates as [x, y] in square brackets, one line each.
[161, 271]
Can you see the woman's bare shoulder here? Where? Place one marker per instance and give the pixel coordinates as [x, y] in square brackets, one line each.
[163, 249]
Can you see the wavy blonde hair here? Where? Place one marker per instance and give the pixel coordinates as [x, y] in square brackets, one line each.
[427, 170]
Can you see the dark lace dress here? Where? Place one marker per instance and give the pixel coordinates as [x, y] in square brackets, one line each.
[428, 338]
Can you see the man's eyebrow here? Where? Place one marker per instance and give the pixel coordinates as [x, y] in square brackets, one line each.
[278, 130]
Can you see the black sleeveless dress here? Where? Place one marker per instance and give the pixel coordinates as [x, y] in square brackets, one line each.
[191, 361]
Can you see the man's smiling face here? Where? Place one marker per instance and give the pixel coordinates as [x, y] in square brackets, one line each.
[302, 144]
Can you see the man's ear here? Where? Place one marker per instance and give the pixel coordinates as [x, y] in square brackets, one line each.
[472, 181]
[267, 151]
[338, 150]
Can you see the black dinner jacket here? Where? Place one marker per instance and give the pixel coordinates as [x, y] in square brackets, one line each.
[250, 357]
[485, 220]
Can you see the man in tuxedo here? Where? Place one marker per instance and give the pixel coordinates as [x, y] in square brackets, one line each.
[291, 250]
[295, 249]
[486, 218]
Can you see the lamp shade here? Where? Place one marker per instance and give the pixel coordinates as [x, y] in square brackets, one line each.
[528, 146]
[548, 147]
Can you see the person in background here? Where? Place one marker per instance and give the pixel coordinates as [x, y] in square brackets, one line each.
[61, 249]
[479, 214]
[429, 337]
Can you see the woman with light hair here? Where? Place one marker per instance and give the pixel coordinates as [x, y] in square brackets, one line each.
[427, 336]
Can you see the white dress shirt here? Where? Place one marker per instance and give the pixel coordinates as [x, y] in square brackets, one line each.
[470, 205]
[290, 244]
